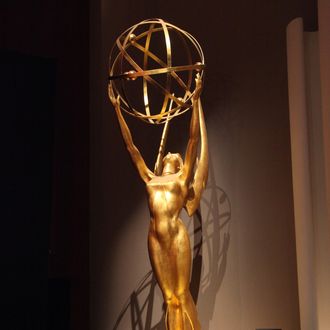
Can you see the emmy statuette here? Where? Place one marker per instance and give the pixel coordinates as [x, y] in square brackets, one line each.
[176, 182]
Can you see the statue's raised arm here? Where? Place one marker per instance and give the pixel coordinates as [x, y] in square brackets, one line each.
[202, 166]
[191, 152]
[145, 173]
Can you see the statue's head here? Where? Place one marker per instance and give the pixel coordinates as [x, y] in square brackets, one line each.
[172, 163]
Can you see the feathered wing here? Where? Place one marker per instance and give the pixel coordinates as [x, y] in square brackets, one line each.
[202, 166]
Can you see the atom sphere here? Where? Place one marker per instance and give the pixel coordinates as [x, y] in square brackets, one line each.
[159, 59]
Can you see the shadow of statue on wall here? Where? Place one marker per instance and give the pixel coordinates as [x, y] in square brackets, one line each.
[210, 238]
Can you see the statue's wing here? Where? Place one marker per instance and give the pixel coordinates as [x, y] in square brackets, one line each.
[201, 173]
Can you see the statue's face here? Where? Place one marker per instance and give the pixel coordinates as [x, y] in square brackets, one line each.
[172, 163]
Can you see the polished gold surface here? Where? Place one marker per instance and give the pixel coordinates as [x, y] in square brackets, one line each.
[175, 184]
[121, 58]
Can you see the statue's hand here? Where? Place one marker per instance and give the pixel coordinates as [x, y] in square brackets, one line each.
[112, 97]
[199, 85]
[114, 100]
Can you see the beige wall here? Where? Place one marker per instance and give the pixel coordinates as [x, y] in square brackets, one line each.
[307, 68]
[248, 275]
[301, 151]
[323, 226]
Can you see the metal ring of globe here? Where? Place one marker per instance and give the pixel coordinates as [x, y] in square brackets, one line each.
[128, 39]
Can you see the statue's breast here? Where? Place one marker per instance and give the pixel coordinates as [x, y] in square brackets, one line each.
[166, 195]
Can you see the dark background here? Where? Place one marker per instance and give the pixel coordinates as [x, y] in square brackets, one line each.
[44, 77]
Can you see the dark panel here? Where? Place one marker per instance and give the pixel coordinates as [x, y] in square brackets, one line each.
[310, 15]
[58, 304]
[27, 89]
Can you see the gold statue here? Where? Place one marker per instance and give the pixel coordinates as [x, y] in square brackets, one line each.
[175, 183]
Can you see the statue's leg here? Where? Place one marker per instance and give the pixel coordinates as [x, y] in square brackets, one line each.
[170, 255]
[183, 261]
[164, 268]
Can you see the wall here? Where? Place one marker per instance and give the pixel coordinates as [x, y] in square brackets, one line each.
[323, 226]
[307, 71]
[248, 277]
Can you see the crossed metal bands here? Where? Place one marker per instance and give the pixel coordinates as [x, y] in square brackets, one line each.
[119, 55]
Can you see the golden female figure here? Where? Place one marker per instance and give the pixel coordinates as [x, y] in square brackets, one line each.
[177, 186]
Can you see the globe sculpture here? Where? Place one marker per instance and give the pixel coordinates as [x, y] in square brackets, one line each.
[144, 54]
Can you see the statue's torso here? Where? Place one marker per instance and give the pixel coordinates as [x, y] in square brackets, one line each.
[166, 196]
